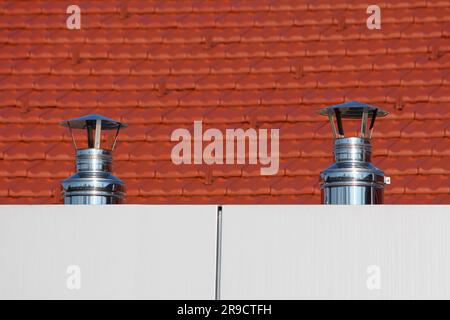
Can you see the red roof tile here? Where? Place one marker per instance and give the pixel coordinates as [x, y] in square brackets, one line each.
[435, 166]
[411, 147]
[160, 65]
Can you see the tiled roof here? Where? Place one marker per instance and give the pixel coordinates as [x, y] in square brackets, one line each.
[160, 65]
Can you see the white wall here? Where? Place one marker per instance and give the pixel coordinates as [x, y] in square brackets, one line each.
[291, 252]
[139, 252]
[297, 252]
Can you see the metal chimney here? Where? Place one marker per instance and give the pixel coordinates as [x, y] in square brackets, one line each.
[93, 183]
[352, 179]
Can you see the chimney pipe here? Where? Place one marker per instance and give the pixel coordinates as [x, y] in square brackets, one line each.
[352, 179]
[93, 182]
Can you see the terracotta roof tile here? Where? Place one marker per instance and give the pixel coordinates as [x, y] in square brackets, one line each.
[288, 5]
[440, 95]
[302, 113]
[45, 132]
[398, 184]
[293, 81]
[401, 165]
[289, 199]
[428, 184]
[291, 148]
[429, 62]
[25, 187]
[307, 166]
[416, 94]
[409, 46]
[326, 5]
[315, 148]
[391, 128]
[295, 185]
[150, 151]
[133, 186]
[172, 7]
[3, 147]
[17, 82]
[250, 186]
[440, 148]
[423, 78]
[54, 115]
[50, 82]
[199, 20]
[426, 129]
[170, 170]
[322, 49]
[213, 115]
[113, 98]
[400, 110]
[251, 6]
[162, 187]
[423, 31]
[391, 62]
[236, 19]
[426, 111]
[382, 147]
[21, 115]
[436, 165]
[160, 65]
[136, 6]
[272, 65]
[136, 132]
[10, 132]
[47, 169]
[416, 199]
[116, 51]
[196, 187]
[89, 7]
[14, 168]
[26, 150]
[301, 130]
[136, 169]
[411, 147]
[60, 151]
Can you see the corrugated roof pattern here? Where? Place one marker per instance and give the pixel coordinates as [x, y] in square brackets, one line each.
[160, 65]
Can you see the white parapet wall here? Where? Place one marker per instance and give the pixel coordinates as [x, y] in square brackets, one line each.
[107, 252]
[269, 252]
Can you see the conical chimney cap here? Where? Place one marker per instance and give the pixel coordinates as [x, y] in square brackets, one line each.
[90, 120]
[354, 110]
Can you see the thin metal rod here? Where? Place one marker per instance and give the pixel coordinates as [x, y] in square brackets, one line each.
[98, 133]
[364, 119]
[90, 136]
[218, 252]
[374, 116]
[337, 112]
[71, 134]
[333, 126]
[115, 138]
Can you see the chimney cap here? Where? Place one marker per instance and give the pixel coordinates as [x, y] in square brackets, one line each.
[354, 110]
[90, 120]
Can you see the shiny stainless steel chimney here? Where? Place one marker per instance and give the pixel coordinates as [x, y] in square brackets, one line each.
[352, 179]
[93, 183]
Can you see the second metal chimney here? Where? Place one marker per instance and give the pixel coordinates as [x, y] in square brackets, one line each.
[93, 183]
[352, 179]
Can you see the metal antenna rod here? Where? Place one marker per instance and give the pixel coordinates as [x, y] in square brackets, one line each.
[218, 252]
